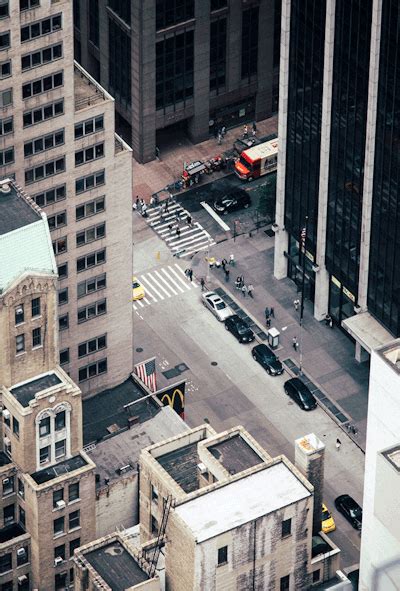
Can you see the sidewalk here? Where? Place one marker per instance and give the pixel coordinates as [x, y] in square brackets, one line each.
[328, 355]
[154, 176]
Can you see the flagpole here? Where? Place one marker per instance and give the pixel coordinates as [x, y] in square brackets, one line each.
[303, 248]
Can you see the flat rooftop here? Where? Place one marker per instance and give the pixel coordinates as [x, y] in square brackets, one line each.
[241, 501]
[116, 566]
[15, 212]
[235, 454]
[181, 465]
[26, 392]
[59, 469]
[87, 91]
[393, 456]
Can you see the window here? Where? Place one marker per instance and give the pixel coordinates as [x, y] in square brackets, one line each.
[174, 69]
[50, 196]
[90, 208]
[58, 220]
[90, 234]
[89, 126]
[92, 346]
[73, 545]
[218, 54]
[28, 4]
[4, 40]
[58, 495]
[92, 370]
[92, 310]
[285, 583]
[91, 260]
[90, 182]
[60, 581]
[4, 9]
[60, 449]
[62, 271]
[41, 85]
[36, 337]
[6, 417]
[6, 156]
[44, 454]
[119, 79]
[217, 4]
[20, 343]
[6, 97]
[59, 421]
[8, 486]
[41, 144]
[89, 154]
[22, 558]
[58, 526]
[40, 28]
[6, 126]
[249, 42]
[222, 555]
[64, 356]
[73, 492]
[316, 576]
[59, 551]
[63, 322]
[22, 516]
[19, 314]
[15, 426]
[45, 170]
[41, 57]
[154, 525]
[5, 69]
[154, 494]
[92, 285]
[77, 14]
[7, 586]
[63, 296]
[74, 519]
[171, 12]
[94, 22]
[9, 514]
[286, 528]
[21, 488]
[44, 427]
[60, 245]
[35, 307]
[43, 113]
[5, 563]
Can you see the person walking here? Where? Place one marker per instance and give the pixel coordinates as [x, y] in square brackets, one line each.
[232, 260]
[254, 129]
[245, 131]
[250, 290]
[272, 313]
[144, 210]
[296, 304]
[295, 343]
[238, 282]
[202, 284]
[219, 138]
[268, 322]
[152, 201]
[224, 262]
[267, 312]
[189, 220]
[226, 274]
[190, 274]
[178, 232]
[244, 290]
[338, 444]
[223, 131]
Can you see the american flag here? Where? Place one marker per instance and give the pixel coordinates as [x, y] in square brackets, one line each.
[147, 373]
[303, 235]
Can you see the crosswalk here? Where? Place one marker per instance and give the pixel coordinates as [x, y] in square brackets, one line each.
[190, 239]
[163, 283]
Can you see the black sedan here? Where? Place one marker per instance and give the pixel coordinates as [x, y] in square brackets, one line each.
[232, 201]
[350, 509]
[267, 359]
[239, 329]
[300, 394]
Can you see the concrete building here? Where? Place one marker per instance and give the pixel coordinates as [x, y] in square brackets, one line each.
[47, 481]
[380, 540]
[337, 185]
[191, 66]
[57, 140]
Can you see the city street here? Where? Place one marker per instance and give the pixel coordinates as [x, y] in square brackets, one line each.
[225, 386]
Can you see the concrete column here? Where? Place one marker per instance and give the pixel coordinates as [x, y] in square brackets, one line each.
[322, 276]
[265, 67]
[361, 354]
[198, 124]
[369, 155]
[309, 459]
[281, 236]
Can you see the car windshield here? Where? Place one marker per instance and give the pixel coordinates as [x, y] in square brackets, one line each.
[245, 163]
[355, 512]
[220, 305]
[325, 514]
[268, 356]
[135, 285]
[242, 328]
[306, 396]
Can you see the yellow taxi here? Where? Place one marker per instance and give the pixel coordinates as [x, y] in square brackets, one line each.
[138, 292]
[328, 523]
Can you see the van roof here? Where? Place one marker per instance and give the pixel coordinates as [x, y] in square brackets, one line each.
[263, 150]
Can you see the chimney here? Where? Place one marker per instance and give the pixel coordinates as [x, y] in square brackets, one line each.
[309, 459]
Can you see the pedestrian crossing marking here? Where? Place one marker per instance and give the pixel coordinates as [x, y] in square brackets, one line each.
[163, 283]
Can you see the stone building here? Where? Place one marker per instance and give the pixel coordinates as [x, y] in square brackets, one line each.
[57, 140]
[181, 66]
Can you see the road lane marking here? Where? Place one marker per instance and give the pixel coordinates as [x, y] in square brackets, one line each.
[214, 215]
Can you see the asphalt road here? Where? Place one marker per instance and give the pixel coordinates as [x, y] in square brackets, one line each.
[226, 387]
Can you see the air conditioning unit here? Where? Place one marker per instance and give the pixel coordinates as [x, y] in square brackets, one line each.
[21, 552]
[202, 468]
[58, 560]
[6, 414]
[22, 579]
[6, 481]
[60, 504]
[7, 441]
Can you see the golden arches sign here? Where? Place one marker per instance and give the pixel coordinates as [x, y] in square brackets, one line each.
[171, 398]
[174, 396]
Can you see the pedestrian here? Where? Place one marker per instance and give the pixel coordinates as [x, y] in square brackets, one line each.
[178, 232]
[241, 281]
[189, 219]
[267, 312]
[226, 274]
[268, 322]
[295, 343]
[217, 264]
[224, 262]
[166, 205]
[245, 131]
[223, 131]
[215, 131]
[170, 227]
[338, 444]
[219, 138]
[202, 284]
[157, 150]
[250, 289]
[296, 304]
[272, 313]
[244, 290]
[254, 128]
[238, 283]
[144, 210]
[137, 203]
[190, 274]
[187, 272]
[152, 201]
[232, 260]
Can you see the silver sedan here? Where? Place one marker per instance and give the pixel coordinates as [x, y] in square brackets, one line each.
[213, 302]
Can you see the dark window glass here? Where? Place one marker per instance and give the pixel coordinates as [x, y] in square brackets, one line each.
[174, 69]
[94, 22]
[218, 54]
[58, 495]
[5, 563]
[122, 8]
[58, 525]
[64, 356]
[249, 42]
[59, 552]
[223, 555]
[73, 545]
[35, 307]
[73, 492]
[286, 527]
[217, 4]
[60, 420]
[285, 583]
[171, 12]
[119, 63]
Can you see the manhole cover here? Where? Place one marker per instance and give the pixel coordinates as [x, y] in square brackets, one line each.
[139, 349]
[181, 367]
[214, 363]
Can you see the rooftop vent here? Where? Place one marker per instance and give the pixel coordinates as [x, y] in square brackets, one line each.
[5, 187]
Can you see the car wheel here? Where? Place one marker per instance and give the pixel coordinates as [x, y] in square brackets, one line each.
[246, 206]
[268, 371]
[226, 327]
[250, 178]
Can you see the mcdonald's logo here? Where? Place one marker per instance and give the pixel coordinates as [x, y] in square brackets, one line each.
[174, 397]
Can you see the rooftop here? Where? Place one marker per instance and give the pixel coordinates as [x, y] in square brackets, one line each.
[87, 91]
[181, 465]
[391, 353]
[235, 454]
[15, 211]
[116, 566]
[393, 456]
[26, 392]
[59, 469]
[241, 501]
[10, 532]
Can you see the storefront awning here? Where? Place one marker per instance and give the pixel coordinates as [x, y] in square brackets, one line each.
[367, 331]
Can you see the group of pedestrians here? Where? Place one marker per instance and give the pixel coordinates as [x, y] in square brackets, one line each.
[140, 206]
[246, 130]
[269, 313]
[245, 289]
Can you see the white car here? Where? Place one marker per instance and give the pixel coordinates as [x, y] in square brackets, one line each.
[213, 302]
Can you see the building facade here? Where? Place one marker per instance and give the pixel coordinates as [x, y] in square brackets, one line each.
[58, 142]
[191, 65]
[338, 133]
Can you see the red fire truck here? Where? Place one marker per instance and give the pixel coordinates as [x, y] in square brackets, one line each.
[258, 160]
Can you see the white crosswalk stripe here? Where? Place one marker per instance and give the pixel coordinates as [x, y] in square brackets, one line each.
[191, 238]
[163, 283]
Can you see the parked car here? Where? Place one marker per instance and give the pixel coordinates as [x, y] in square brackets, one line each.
[234, 200]
[350, 509]
[213, 302]
[300, 394]
[239, 329]
[327, 521]
[267, 359]
[138, 292]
